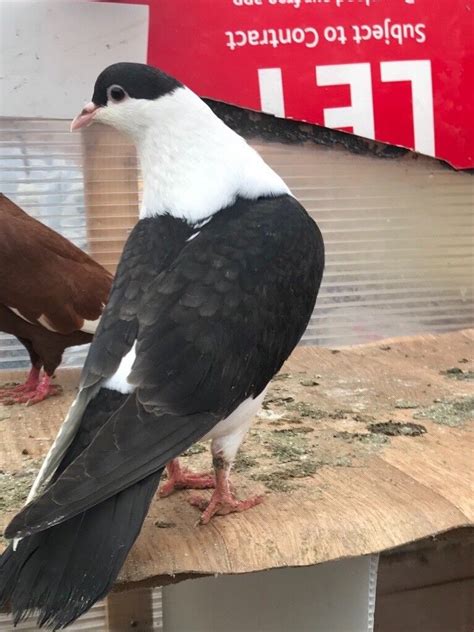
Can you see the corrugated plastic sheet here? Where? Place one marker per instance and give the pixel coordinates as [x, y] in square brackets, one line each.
[398, 233]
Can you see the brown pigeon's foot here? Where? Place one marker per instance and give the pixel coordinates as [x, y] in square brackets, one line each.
[222, 504]
[43, 390]
[10, 391]
[182, 478]
[222, 500]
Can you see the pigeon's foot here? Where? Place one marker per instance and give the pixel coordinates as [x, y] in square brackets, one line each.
[31, 395]
[12, 390]
[221, 504]
[182, 478]
[223, 501]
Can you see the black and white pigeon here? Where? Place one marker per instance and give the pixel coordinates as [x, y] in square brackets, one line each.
[215, 287]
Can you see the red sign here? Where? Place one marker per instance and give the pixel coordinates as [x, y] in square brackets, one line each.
[399, 71]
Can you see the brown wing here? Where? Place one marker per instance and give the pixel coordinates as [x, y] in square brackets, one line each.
[44, 276]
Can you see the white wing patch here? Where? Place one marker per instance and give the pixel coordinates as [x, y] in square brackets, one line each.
[119, 380]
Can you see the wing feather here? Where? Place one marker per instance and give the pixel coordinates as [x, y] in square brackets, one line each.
[149, 249]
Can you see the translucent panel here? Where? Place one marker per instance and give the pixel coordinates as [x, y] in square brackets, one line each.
[398, 233]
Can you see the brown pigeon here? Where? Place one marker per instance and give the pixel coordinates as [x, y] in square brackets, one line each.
[51, 297]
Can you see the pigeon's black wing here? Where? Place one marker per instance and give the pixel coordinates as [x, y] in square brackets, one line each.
[220, 323]
[212, 330]
[151, 246]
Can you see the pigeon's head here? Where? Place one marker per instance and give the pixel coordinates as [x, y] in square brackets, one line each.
[124, 97]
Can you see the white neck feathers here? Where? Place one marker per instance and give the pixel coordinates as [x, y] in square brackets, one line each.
[193, 165]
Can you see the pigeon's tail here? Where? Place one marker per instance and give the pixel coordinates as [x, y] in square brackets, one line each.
[76, 535]
[59, 573]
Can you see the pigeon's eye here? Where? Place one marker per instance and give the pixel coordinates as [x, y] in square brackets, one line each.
[116, 94]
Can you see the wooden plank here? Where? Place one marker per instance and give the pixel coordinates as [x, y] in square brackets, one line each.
[339, 515]
[364, 492]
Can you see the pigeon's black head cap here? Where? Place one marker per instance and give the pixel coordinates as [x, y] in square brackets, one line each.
[139, 81]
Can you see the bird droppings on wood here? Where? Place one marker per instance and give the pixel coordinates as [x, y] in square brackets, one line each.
[278, 422]
[340, 413]
[14, 486]
[289, 447]
[281, 376]
[162, 524]
[197, 448]
[277, 400]
[362, 437]
[396, 428]
[284, 478]
[278, 479]
[293, 431]
[275, 481]
[244, 462]
[404, 404]
[452, 413]
[306, 409]
[309, 383]
[363, 419]
[455, 373]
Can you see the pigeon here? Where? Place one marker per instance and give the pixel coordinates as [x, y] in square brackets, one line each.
[52, 295]
[214, 289]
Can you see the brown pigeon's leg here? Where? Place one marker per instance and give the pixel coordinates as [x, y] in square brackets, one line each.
[182, 478]
[7, 392]
[38, 393]
[222, 500]
[44, 390]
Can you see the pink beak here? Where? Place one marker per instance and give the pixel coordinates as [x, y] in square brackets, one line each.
[86, 117]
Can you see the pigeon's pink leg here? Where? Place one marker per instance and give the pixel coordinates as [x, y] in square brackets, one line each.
[28, 387]
[222, 500]
[182, 478]
[41, 391]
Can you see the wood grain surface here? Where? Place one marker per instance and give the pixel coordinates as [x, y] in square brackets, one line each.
[367, 492]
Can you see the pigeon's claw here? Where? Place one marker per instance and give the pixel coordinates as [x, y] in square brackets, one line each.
[182, 478]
